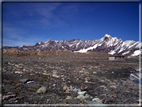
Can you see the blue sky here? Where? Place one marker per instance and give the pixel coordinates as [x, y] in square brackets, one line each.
[29, 23]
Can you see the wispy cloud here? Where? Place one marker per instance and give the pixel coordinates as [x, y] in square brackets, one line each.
[14, 36]
[22, 21]
[9, 42]
[40, 13]
[30, 40]
[16, 32]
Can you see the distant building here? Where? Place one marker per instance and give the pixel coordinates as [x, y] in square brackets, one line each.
[117, 57]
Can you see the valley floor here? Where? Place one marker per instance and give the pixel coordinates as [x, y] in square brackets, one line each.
[65, 80]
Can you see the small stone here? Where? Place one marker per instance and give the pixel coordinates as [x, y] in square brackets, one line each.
[114, 95]
[16, 101]
[56, 76]
[103, 94]
[30, 82]
[54, 71]
[6, 97]
[113, 86]
[20, 67]
[45, 74]
[76, 90]
[100, 101]
[71, 88]
[80, 97]
[20, 64]
[18, 72]
[62, 75]
[81, 92]
[25, 80]
[94, 72]
[18, 84]
[94, 99]
[24, 69]
[102, 86]
[97, 100]
[18, 98]
[105, 87]
[68, 90]
[65, 87]
[86, 81]
[32, 74]
[9, 93]
[54, 85]
[81, 71]
[41, 90]
[68, 98]
[102, 81]
[86, 74]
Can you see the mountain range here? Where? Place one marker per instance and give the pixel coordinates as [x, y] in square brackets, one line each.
[107, 44]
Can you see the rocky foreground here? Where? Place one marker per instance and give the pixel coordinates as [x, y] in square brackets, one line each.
[68, 78]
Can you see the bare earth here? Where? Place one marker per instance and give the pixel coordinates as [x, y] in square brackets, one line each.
[60, 77]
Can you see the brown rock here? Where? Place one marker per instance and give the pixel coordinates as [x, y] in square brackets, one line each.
[86, 74]
[45, 74]
[56, 76]
[94, 72]
[65, 87]
[100, 101]
[68, 90]
[81, 71]
[68, 98]
[18, 84]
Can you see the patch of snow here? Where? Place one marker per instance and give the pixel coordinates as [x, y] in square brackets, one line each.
[121, 50]
[39, 42]
[56, 41]
[77, 43]
[127, 43]
[45, 45]
[85, 50]
[134, 44]
[25, 48]
[22, 46]
[125, 52]
[112, 52]
[136, 53]
[71, 45]
[46, 42]
[82, 51]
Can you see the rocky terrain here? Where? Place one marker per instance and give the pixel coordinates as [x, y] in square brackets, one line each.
[65, 77]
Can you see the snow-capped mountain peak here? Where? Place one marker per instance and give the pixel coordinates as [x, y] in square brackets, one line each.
[106, 35]
[107, 44]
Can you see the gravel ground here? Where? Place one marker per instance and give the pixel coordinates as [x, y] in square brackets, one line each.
[35, 80]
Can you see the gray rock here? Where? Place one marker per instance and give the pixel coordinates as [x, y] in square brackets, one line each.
[6, 97]
[25, 80]
[96, 104]
[41, 90]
